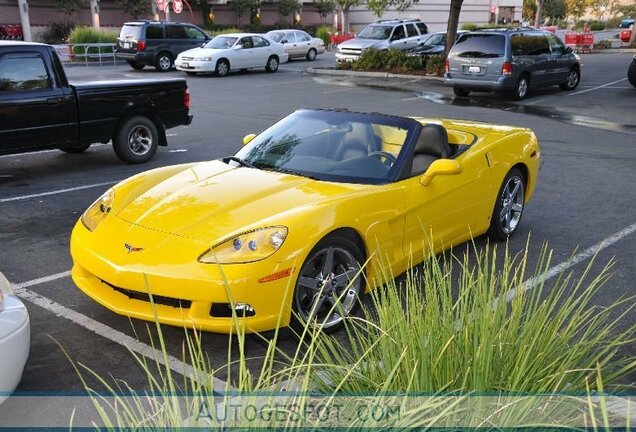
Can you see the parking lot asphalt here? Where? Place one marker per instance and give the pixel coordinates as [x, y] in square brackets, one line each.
[584, 198]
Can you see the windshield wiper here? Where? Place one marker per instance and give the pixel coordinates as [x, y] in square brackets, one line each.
[292, 172]
[239, 161]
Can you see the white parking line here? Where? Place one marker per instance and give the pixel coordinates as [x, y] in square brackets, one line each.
[108, 332]
[597, 87]
[56, 192]
[280, 83]
[581, 256]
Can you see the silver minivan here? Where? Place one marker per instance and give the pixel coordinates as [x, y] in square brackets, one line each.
[382, 35]
[510, 60]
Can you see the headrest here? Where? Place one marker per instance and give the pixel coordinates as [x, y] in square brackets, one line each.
[433, 141]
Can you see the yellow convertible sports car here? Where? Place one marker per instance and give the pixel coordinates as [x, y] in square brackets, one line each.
[280, 233]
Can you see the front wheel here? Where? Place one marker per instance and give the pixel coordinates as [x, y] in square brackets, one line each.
[272, 64]
[311, 54]
[329, 285]
[631, 73]
[574, 76]
[509, 206]
[222, 68]
[136, 140]
[521, 89]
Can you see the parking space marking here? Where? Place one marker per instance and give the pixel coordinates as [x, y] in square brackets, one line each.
[111, 334]
[56, 192]
[597, 87]
[280, 83]
[348, 88]
[576, 259]
[42, 151]
[42, 280]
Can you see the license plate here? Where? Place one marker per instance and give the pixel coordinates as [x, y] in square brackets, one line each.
[185, 64]
[474, 69]
[125, 45]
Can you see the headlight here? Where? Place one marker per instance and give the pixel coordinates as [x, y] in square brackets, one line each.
[98, 211]
[247, 247]
[203, 59]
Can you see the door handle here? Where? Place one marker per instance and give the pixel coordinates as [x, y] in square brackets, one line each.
[55, 101]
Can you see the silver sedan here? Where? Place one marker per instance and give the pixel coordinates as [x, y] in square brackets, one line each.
[298, 44]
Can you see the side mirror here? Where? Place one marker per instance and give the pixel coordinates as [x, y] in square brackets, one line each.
[284, 41]
[440, 167]
[237, 47]
[569, 50]
[248, 138]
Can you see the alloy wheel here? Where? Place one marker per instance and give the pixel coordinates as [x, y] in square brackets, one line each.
[140, 140]
[512, 199]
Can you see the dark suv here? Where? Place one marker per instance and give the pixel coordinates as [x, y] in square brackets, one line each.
[154, 43]
[511, 60]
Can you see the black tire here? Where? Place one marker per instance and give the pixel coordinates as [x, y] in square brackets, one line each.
[574, 77]
[272, 64]
[460, 91]
[344, 253]
[521, 88]
[311, 54]
[136, 140]
[631, 73]
[509, 206]
[137, 66]
[75, 149]
[163, 61]
[222, 68]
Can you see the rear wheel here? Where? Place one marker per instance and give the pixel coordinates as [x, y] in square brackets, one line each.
[222, 68]
[163, 62]
[509, 206]
[631, 73]
[76, 149]
[460, 91]
[329, 285]
[311, 54]
[133, 64]
[272, 64]
[574, 76]
[521, 89]
[136, 140]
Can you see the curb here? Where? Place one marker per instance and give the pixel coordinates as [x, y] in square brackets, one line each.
[385, 75]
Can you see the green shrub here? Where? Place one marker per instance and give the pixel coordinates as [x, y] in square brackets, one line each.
[604, 44]
[597, 25]
[322, 32]
[435, 65]
[473, 26]
[392, 60]
[612, 23]
[225, 31]
[470, 26]
[89, 35]
[58, 32]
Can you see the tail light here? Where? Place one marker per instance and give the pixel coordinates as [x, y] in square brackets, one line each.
[506, 69]
[446, 66]
[186, 98]
[141, 45]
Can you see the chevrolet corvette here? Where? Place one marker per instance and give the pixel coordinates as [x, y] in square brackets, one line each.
[305, 218]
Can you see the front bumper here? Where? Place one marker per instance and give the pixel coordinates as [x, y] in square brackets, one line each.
[194, 65]
[15, 341]
[341, 58]
[504, 83]
[185, 293]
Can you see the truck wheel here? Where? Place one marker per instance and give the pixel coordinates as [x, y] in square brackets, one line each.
[631, 73]
[75, 149]
[136, 140]
[163, 62]
[133, 64]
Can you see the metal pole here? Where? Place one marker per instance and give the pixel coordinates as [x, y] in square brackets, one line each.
[153, 9]
[497, 13]
[23, 6]
[168, 9]
[95, 13]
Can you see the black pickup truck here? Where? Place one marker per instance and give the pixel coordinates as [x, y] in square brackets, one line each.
[40, 109]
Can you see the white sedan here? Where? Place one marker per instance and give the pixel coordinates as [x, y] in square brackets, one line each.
[231, 52]
[15, 339]
[298, 44]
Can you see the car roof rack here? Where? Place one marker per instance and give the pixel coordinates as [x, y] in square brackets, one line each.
[398, 20]
[506, 29]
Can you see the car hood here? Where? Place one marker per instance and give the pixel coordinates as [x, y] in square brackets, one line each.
[428, 49]
[213, 200]
[361, 43]
[201, 52]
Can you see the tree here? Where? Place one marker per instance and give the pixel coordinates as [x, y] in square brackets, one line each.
[69, 7]
[453, 22]
[135, 8]
[403, 5]
[577, 8]
[345, 6]
[287, 7]
[529, 10]
[240, 7]
[378, 6]
[555, 9]
[324, 8]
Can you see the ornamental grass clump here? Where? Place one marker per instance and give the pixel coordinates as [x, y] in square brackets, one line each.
[457, 342]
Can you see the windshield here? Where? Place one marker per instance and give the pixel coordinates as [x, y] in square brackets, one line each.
[480, 45]
[130, 32]
[221, 42]
[275, 36]
[375, 32]
[436, 39]
[331, 145]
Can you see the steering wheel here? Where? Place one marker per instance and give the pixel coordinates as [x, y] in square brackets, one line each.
[389, 157]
